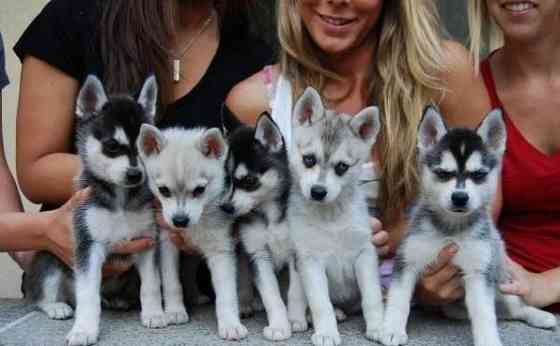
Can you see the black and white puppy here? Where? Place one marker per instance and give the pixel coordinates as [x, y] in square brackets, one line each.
[259, 183]
[459, 170]
[119, 207]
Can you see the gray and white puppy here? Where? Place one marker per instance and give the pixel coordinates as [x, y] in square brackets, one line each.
[119, 207]
[328, 215]
[259, 183]
[459, 169]
[186, 173]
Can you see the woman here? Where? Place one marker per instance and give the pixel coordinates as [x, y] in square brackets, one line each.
[363, 52]
[523, 78]
[197, 49]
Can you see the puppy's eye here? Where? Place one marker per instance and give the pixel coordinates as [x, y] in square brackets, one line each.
[309, 160]
[478, 176]
[112, 146]
[444, 175]
[249, 181]
[341, 168]
[199, 190]
[164, 191]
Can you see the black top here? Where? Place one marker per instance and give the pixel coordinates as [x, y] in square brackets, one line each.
[3, 77]
[64, 35]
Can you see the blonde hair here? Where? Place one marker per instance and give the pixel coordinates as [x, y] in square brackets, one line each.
[403, 80]
[485, 35]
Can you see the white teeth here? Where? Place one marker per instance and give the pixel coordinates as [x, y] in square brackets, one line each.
[519, 6]
[335, 21]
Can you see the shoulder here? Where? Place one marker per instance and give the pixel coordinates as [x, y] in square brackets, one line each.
[249, 98]
[463, 98]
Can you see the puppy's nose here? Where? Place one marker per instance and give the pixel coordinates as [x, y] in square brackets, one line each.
[460, 199]
[181, 221]
[318, 192]
[133, 176]
[228, 208]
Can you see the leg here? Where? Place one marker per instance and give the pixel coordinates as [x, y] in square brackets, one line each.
[175, 312]
[150, 290]
[398, 308]
[245, 285]
[88, 296]
[480, 299]
[222, 269]
[515, 308]
[267, 283]
[297, 302]
[316, 287]
[370, 289]
[49, 303]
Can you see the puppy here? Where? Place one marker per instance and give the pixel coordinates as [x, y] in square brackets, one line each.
[328, 215]
[186, 173]
[259, 183]
[119, 207]
[459, 169]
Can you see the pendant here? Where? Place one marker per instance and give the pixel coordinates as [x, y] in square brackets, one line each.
[176, 70]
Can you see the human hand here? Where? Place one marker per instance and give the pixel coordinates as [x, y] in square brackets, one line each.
[380, 237]
[531, 287]
[60, 239]
[441, 283]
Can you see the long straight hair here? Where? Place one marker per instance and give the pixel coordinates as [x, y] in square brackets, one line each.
[404, 77]
[484, 33]
[136, 35]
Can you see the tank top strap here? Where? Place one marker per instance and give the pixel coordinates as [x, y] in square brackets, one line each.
[486, 71]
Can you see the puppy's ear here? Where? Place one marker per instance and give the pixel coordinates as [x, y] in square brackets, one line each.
[91, 98]
[149, 96]
[309, 108]
[268, 134]
[212, 144]
[493, 132]
[431, 129]
[150, 141]
[229, 121]
[366, 124]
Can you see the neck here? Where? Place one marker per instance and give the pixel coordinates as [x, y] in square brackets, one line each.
[529, 59]
[354, 68]
[192, 14]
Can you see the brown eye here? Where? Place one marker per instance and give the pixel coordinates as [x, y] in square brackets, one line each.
[341, 168]
[444, 175]
[309, 160]
[164, 191]
[199, 190]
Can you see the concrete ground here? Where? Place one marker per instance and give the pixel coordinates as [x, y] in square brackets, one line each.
[21, 326]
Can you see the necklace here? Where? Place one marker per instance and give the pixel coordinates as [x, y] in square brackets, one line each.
[178, 57]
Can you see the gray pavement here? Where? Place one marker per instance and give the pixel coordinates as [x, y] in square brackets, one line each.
[21, 326]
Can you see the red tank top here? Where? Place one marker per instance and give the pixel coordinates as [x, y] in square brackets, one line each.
[530, 215]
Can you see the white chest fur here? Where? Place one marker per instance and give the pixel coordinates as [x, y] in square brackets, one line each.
[114, 226]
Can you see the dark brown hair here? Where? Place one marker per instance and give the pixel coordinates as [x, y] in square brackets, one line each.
[135, 39]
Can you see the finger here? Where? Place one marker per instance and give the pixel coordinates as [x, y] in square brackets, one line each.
[384, 250]
[177, 240]
[444, 256]
[445, 275]
[511, 288]
[115, 269]
[452, 290]
[380, 238]
[375, 224]
[79, 197]
[133, 246]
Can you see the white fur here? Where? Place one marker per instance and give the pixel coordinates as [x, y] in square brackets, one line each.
[120, 136]
[112, 169]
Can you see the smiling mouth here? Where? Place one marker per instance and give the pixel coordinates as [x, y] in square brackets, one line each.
[519, 7]
[336, 21]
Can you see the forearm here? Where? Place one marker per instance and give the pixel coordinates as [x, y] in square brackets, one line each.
[50, 179]
[549, 286]
[23, 231]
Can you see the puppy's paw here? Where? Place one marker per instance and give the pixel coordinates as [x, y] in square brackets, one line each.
[332, 339]
[156, 320]
[277, 333]
[58, 311]
[176, 316]
[81, 337]
[374, 334]
[340, 315]
[393, 338]
[541, 319]
[232, 331]
[299, 326]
